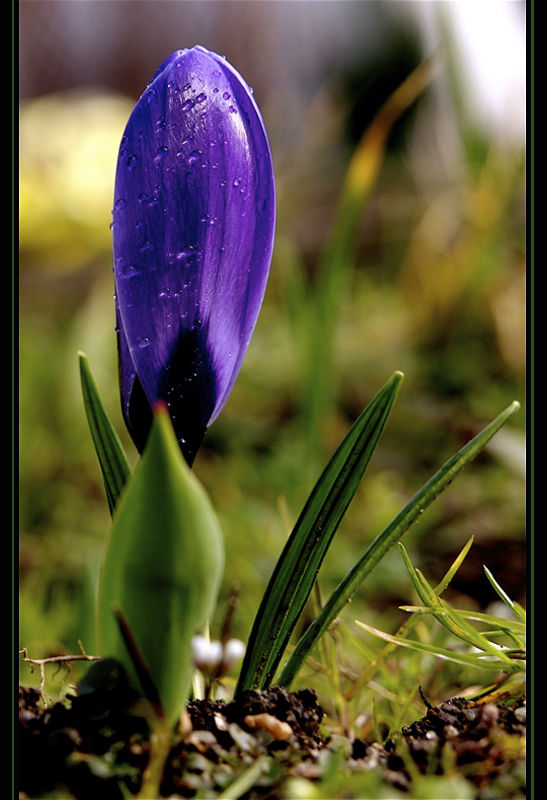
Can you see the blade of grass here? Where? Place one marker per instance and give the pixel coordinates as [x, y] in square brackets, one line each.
[427, 595]
[112, 459]
[245, 782]
[386, 539]
[470, 660]
[376, 661]
[516, 608]
[294, 575]
[496, 625]
[449, 617]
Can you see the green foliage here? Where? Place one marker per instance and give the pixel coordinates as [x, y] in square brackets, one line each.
[162, 568]
[111, 456]
[500, 645]
[385, 540]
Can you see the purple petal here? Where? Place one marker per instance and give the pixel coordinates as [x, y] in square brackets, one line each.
[194, 217]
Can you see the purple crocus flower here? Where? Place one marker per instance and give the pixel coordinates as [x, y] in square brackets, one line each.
[193, 230]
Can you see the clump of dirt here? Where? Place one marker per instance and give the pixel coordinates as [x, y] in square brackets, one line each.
[96, 745]
[484, 740]
[282, 714]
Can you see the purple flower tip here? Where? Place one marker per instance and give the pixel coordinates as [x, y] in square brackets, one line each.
[193, 230]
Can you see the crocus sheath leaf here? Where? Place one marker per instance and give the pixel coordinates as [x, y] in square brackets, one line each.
[385, 540]
[294, 575]
[162, 566]
[193, 231]
[112, 459]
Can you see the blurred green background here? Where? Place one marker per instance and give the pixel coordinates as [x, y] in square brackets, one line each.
[437, 289]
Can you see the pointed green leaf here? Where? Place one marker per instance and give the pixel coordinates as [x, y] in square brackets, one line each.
[297, 567]
[386, 539]
[162, 567]
[112, 460]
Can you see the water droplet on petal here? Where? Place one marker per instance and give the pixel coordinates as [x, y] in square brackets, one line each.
[194, 156]
[129, 270]
[161, 154]
[132, 162]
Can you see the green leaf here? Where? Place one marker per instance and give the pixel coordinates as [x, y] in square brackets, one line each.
[112, 460]
[385, 540]
[297, 567]
[162, 567]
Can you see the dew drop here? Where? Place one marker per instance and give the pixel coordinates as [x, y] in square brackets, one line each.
[194, 156]
[132, 162]
[201, 97]
[129, 271]
[144, 342]
[188, 105]
[119, 204]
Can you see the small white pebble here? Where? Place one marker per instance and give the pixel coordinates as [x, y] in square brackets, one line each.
[451, 732]
[520, 714]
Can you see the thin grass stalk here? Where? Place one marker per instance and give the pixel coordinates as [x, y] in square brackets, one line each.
[339, 253]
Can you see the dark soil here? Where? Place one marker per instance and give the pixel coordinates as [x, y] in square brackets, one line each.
[92, 746]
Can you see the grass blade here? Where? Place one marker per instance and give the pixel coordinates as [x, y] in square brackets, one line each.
[470, 660]
[516, 608]
[112, 459]
[386, 539]
[294, 575]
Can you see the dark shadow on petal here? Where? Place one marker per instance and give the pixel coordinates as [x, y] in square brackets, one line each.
[189, 387]
[139, 415]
